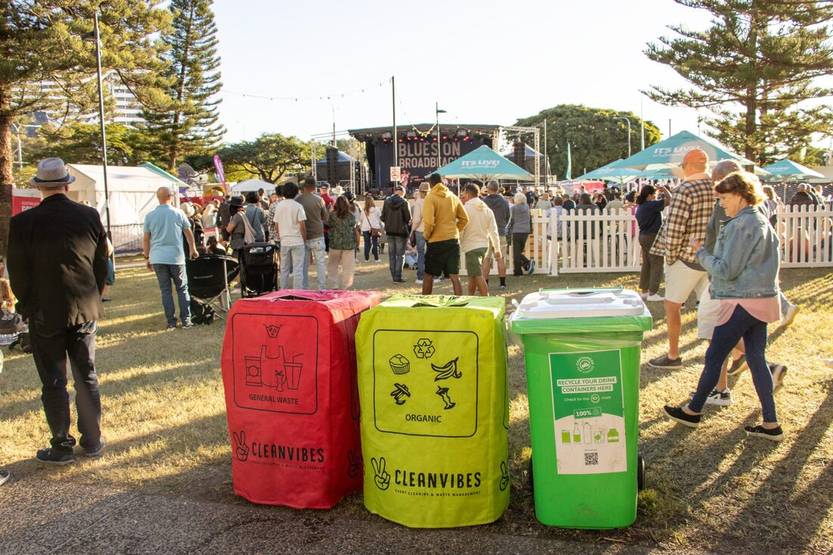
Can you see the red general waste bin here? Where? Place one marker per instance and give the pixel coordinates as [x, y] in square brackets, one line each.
[289, 373]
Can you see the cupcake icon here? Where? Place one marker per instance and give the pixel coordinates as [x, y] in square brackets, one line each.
[399, 364]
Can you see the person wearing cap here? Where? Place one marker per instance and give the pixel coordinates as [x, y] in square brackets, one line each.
[443, 218]
[419, 230]
[502, 211]
[57, 258]
[164, 252]
[315, 244]
[687, 218]
[477, 238]
[396, 215]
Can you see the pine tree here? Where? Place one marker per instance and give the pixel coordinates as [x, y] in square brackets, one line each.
[756, 70]
[45, 40]
[190, 125]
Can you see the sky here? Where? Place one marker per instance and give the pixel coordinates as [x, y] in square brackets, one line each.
[483, 61]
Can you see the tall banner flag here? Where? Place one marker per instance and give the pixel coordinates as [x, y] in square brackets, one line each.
[221, 175]
[569, 175]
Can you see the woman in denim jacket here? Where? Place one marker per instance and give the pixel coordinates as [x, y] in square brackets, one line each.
[744, 272]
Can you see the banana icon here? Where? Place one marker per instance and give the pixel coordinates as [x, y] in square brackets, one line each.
[446, 371]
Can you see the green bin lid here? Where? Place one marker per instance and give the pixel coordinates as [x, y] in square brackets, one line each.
[581, 311]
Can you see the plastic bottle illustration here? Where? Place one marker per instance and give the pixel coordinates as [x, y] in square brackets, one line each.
[576, 434]
[588, 433]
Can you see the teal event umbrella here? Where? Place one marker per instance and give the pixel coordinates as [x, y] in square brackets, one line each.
[611, 172]
[484, 163]
[670, 152]
[789, 170]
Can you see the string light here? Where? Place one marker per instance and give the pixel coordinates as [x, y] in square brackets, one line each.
[362, 90]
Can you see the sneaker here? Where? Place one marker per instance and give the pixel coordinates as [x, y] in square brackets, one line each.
[643, 295]
[4, 476]
[106, 299]
[655, 298]
[400, 280]
[719, 398]
[96, 451]
[531, 267]
[789, 316]
[680, 416]
[51, 456]
[775, 434]
[666, 363]
[170, 328]
[418, 282]
[737, 366]
[503, 286]
[778, 373]
[188, 326]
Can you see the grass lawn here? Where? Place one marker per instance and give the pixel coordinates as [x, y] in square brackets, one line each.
[711, 488]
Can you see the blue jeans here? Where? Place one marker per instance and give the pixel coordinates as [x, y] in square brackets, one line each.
[396, 255]
[50, 349]
[753, 332]
[292, 265]
[176, 272]
[367, 241]
[317, 249]
[420, 248]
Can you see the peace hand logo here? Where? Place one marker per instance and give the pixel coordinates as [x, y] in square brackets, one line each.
[504, 476]
[241, 449]
[381, 477]
[353, 461]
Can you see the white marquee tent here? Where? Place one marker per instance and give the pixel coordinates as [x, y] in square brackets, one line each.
[252, 185]
[132, 190]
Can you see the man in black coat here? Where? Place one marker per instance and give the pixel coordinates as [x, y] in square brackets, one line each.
[57, 267]
[396, 214]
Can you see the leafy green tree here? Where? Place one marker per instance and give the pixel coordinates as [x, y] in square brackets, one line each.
[595, 137]
[269, 157]
[43, 40]
[190, 125]
[755, 69]
[80, 143]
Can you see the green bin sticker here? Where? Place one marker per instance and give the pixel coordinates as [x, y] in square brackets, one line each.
[588, 411]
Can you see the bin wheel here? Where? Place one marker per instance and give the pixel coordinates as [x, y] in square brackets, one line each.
[640, 472]
[529, 481]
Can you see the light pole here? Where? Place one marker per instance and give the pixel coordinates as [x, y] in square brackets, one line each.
[629, 132]
[437, 113]
[19, 148]
[101, 120]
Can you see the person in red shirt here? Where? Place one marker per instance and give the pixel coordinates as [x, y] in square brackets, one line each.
[329, 204]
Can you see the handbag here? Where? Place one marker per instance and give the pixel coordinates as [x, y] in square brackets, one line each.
[374, 231]
[249, 233]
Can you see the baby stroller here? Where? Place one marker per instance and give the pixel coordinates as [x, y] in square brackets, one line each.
[208, 283]
[258, 269]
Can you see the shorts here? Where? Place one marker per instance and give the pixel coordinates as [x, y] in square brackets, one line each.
[474, 262]
[707, 314]
[442, 257]
[503, 249]
[680, 281]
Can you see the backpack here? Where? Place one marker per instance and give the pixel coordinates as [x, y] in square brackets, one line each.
[201, 314]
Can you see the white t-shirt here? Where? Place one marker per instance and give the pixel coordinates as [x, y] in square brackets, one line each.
[288, 214]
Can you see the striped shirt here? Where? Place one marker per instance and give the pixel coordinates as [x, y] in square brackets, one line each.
[688, 216]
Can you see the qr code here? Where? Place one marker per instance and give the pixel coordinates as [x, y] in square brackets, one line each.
[591, 459]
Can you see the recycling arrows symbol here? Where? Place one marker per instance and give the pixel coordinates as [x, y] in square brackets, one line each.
[424, 348]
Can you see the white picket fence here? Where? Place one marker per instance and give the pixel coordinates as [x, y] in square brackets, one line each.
[609, 241]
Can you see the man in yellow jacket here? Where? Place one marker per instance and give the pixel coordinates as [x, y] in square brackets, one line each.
[444, 218]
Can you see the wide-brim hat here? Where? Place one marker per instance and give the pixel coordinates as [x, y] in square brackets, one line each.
[338, 190]
[424, 187]
[236, 201]
[52, 172]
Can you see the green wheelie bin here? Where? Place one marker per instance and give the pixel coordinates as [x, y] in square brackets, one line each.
[582, 350]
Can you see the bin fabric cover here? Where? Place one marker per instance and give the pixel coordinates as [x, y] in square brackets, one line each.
[582, 350]
[289, 373]
[433, 390]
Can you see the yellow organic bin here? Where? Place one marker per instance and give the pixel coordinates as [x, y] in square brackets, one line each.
[434, 401]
